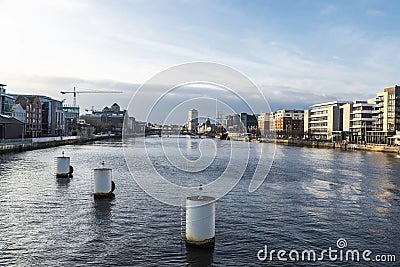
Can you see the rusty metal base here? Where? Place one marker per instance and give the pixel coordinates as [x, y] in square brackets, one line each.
[64, 175]
[104, 195]
[208, 243]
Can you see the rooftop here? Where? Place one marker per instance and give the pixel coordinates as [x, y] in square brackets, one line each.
[332, 103]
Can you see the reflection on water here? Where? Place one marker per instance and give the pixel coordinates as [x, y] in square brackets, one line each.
[63, 181]
[311, 198]
[199, 257]
[102, 209]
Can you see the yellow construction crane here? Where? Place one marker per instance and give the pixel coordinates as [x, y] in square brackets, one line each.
[88, 92]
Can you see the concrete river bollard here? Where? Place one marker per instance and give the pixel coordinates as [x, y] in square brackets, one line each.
[64, 169]
[200, 221]
[103, 184]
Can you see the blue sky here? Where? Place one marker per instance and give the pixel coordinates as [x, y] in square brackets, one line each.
[298, 52]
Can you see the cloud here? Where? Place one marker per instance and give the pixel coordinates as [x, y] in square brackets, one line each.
[56, 45]
[375, 13]
[328, 10]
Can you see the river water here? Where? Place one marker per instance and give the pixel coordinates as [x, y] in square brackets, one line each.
[310, 199]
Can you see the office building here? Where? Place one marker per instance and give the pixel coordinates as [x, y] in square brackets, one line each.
[325, 121]
[33, 108]
[6, 101]
[357, 120]
[264, 124]
[386, 116]
[53, 117]
[193, 119]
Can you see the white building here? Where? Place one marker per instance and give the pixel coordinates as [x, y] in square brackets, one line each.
[325, 121]
[307, 130]
[193, 119]
[288, 113]
[264, 124]
[357, 120]
[386, 116]
[19, 113]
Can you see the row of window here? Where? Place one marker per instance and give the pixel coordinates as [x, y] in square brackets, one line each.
[360, 116]
[314, 131]
[363, 108]
[361, 123]
[322, 124]
[319, 112]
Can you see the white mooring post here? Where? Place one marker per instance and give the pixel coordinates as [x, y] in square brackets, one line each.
[64, 169]
[200, 221]
[103, 184]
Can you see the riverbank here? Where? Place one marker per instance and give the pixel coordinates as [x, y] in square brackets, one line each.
[41, 143]
[338, 145]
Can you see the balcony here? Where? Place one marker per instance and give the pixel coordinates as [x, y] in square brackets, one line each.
[318, 127]
[319, 115]
[361, 111]
[362, 119]
[317, 132]
[318, 121]
[360, 127]
[317, 109]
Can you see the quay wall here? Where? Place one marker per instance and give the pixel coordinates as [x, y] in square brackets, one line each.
[338, 145]
[40, 143]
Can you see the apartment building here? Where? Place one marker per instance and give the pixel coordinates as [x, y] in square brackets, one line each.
[33, 109]
[242, 123]
[71, 115]
[6, 101]
[264, 124]
[19, 113]
[386, 115]
[53, 117]
[193, 119]
[324, 121]
[232, 123]
[306, 119]
[357, 120]
[288, 123]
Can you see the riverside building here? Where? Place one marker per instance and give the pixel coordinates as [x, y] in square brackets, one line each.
[33, 111]
[264, 124]
[324, 121]
[6, 101]
[357, 120]
[386, 115]
[288, 123]
[193, 119]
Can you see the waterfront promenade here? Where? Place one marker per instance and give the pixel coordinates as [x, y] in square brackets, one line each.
[20, 145]
[338, 145]
[26, 144]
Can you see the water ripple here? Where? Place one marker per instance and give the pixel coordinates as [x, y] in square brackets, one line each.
[310, 199]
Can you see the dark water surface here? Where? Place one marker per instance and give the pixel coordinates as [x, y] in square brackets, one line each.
[311, 198]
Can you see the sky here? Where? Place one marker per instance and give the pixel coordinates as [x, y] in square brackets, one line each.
[297, 52]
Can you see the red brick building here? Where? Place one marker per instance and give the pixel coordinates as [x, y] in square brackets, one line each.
[33, 108]
[288, 123]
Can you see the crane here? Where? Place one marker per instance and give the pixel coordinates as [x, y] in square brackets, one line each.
[87, 92]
